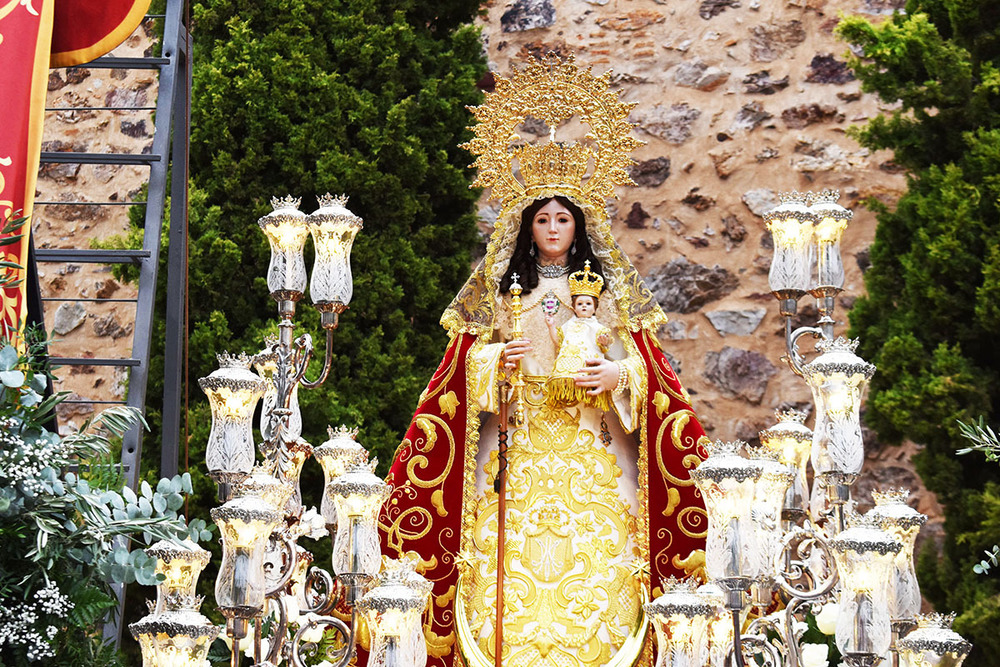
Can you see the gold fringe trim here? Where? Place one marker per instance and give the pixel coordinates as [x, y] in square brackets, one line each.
[563, 392]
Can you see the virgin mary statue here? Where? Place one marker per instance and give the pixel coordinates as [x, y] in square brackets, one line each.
[599, 503]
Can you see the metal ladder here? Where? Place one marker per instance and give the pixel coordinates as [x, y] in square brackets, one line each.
[169, 153]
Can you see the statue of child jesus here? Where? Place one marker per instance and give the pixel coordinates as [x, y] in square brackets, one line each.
[581, 338]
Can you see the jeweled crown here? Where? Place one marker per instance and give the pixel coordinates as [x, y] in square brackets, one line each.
[553, 164]
[553, 90]
[586, 282]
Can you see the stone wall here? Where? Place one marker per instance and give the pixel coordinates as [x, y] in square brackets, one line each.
[89, 328]
[737, 100]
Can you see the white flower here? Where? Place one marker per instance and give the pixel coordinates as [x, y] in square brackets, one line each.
[291, 608]
[815, 655]
[248, 648]
[799, 628]
[826, 619]
[314, 634]
[241, 645]
[312, 524]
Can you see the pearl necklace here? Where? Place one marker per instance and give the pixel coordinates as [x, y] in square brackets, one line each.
[552, 270]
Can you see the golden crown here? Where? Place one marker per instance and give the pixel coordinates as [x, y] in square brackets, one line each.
[553, 90]
[586, 282]
[553, 164]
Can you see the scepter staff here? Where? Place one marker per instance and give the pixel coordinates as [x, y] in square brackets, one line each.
[500, 483]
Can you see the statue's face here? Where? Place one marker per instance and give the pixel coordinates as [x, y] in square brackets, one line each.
[553, 230]
[584, 305]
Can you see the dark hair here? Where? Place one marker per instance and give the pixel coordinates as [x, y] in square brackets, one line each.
[523, 264]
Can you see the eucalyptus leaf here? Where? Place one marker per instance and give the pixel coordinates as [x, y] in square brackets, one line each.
[146, 576]
[30, 398]
[8, 358]
[119, 574]
[12, 379]
[38, 382]
[120, 555]
[175, 501]
[159, 503]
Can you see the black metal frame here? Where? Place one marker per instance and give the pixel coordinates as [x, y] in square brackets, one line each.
[169, 152]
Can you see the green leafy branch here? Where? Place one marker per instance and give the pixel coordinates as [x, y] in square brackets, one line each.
[984, 439]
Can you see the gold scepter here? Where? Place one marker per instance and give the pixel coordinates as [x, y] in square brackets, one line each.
[517, 333]
[500, 483]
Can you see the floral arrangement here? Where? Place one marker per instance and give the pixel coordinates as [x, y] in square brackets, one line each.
[66, 522]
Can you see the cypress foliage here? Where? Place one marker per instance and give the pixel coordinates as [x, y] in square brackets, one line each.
[930, 319]
[362, 97]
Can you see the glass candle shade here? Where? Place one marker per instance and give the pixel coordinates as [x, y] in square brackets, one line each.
[831, 221]
[335, 455]
[358, 495]
[838, 379]
[726, 481]
[903, 522]
[181, 565]
[266, 364]
[394, 608]
[791, 439]
[233, 391]
[719, 628]
[333, 229]
[933, 643]
[680, 618]
[177, 638]
[245, 525]
[769, 497]
[273, 491]
[864, 554]
[286, 231]
[791, 227]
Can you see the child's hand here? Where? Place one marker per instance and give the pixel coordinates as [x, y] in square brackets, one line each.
[550, 320]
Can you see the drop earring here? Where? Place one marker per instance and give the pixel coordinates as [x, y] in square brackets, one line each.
[533, 250]
[572, 248]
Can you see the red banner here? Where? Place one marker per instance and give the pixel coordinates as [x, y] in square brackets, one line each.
[34, 35]
[25, 38]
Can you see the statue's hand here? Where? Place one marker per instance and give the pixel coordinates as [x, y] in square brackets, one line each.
[514, 352]
[599, 375]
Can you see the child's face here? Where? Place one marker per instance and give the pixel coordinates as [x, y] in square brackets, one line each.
[584, 306]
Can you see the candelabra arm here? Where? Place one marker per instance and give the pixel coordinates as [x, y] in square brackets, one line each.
[758, 644]
[737, 640]
[278, 638]
[340, 657]
[791, 566]
[793, 358]
[289, 545]
[333, 591]
[794, 651]
[327, 363]
[302, 356]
